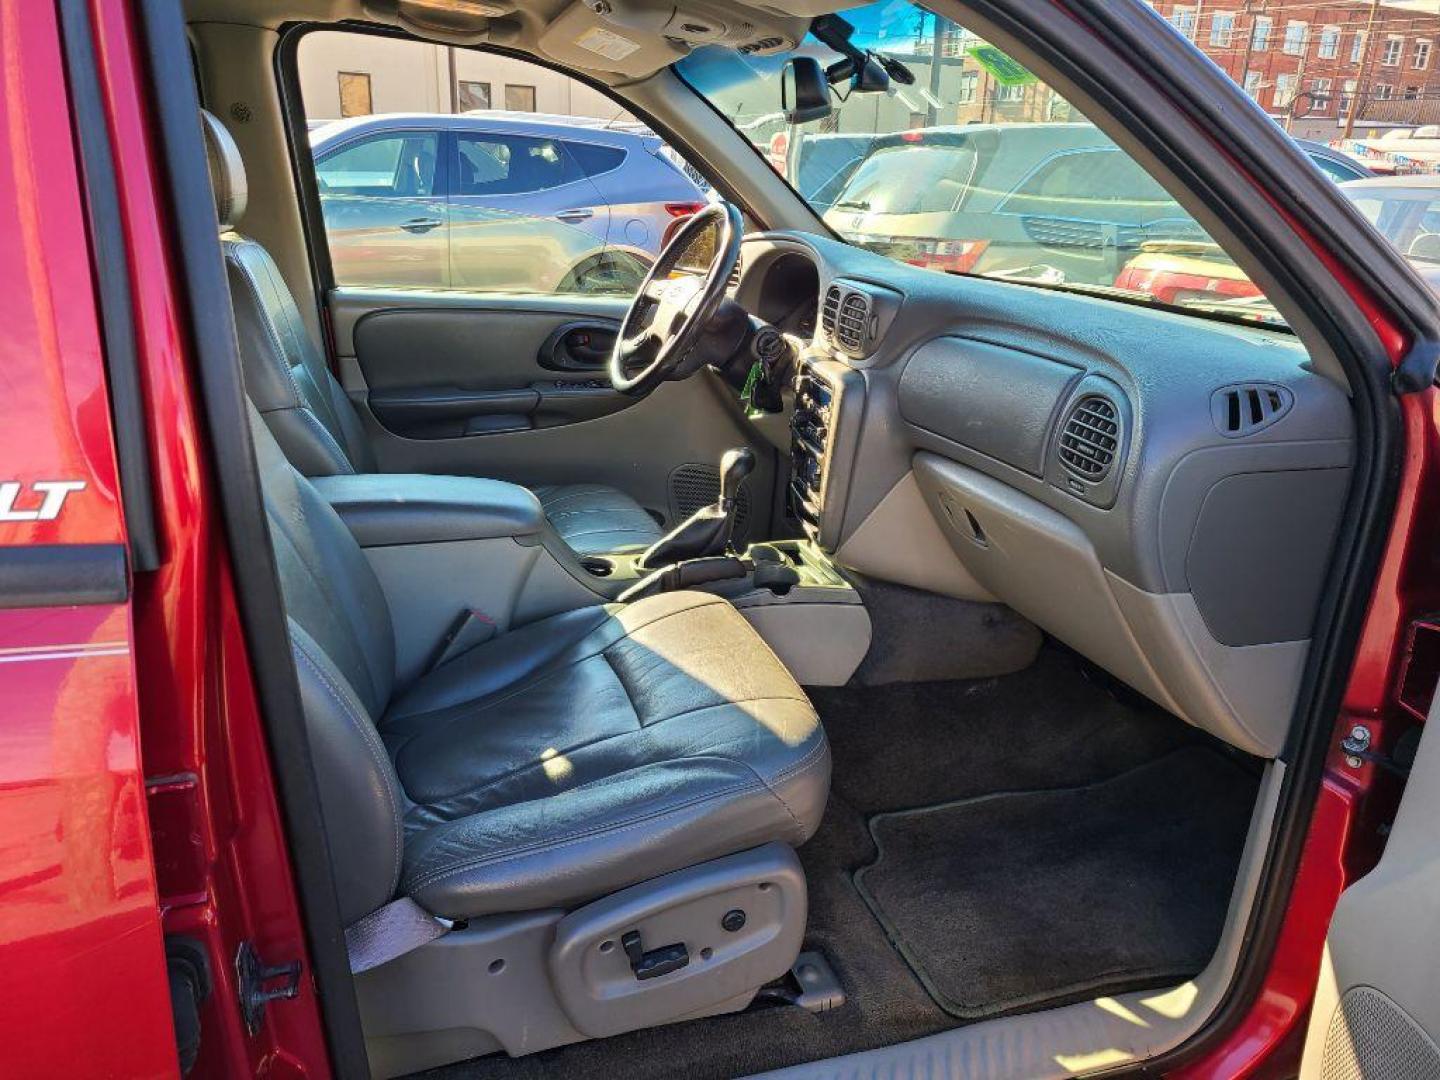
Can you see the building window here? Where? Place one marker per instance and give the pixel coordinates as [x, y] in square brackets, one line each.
[1284, 91]
[355, 97]
[968, 81]
[1412, 93]
[1252, 83]
[1384, 92]
[1320, 95]
[1421, 59]
[1329, 43]
[1295, 38]
[1260, 33]
[1010, 93]
[1357, 47]
[519, 98]
[473, 95]
[1183, 19]
[1394, 49]
[1222, 28]
[1347, 96]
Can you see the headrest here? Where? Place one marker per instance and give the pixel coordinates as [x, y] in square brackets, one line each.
[227, 171]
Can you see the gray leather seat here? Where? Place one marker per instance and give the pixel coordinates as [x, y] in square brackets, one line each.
[308, 411]
[552, 765]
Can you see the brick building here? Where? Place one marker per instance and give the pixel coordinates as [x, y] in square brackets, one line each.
[1309, 64]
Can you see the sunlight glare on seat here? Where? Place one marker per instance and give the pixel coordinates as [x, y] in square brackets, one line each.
[558, 768]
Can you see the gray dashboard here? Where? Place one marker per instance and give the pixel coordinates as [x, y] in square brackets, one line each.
[1160, 491]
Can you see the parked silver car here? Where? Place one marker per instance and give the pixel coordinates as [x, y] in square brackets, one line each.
[495, 201]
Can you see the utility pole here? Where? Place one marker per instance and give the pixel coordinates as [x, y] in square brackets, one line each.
[932, 110]
[1299, 78]
[1362, 77]
[1251, 8]
[454, 80]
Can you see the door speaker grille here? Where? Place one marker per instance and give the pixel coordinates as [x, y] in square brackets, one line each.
[695, 486]
[1372, 1038]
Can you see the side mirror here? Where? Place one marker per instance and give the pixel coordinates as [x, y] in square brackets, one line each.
[804, 90]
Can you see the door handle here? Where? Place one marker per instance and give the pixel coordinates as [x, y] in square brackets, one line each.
[421, 224]
[580, 213]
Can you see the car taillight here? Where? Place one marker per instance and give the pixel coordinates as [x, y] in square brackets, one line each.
[912, 136]
[681, 212]
[954, 256]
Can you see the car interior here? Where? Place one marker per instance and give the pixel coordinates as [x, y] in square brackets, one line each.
[843, 653]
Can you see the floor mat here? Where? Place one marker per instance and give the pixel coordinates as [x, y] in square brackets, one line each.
[1003, 901]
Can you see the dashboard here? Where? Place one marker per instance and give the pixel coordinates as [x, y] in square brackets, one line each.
[1161, 492]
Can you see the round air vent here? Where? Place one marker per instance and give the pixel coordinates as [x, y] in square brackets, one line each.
[1090, 438]
[851, 321]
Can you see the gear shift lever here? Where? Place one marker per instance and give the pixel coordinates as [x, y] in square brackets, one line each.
[735, 466]
[706, 532]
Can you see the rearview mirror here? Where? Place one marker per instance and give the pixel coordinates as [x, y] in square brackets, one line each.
[804, 90]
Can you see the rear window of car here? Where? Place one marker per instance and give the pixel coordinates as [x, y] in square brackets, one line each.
[509, 165]
[596, 160]
[1084, 179]
[910, 180]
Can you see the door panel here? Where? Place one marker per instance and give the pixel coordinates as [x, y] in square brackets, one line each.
[470, 384]
[1377, 1005]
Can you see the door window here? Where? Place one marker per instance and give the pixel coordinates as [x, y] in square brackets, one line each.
[519, 179]
[400, 165]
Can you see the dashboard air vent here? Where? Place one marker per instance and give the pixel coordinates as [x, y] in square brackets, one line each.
[830, 309]
[1248, 407]
[1090, 438]
[850, 323]
[735, 274]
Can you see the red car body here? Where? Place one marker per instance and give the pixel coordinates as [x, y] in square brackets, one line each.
[137, 800]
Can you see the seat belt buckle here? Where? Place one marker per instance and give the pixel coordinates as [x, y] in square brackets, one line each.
[469, 629]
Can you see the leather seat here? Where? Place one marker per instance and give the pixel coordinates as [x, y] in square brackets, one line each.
[552, 765]
[307, 409]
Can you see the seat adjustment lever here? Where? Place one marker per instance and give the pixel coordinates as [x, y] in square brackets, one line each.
[656, 962]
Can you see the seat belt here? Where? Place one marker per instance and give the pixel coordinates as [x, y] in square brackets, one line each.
[399, 927]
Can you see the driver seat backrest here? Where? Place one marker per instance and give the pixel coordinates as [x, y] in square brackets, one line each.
[286, 376]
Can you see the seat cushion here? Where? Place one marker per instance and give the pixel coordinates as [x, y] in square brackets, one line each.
[597, 520]
[599, 748]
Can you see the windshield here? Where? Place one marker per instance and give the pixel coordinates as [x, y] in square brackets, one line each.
[966, 163]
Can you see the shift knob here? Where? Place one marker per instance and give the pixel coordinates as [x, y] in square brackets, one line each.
[734, 467]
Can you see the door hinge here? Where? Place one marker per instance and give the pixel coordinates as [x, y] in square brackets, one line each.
[252, 975]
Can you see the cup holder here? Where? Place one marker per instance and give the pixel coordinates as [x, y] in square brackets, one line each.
[597, 566]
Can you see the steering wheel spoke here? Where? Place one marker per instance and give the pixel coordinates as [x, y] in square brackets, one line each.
[633, 346]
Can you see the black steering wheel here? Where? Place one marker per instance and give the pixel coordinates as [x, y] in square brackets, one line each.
[667, 316]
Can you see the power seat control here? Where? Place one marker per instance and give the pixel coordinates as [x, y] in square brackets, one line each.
[656, 962]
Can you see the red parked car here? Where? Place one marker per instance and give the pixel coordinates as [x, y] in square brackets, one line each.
[814, 665]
